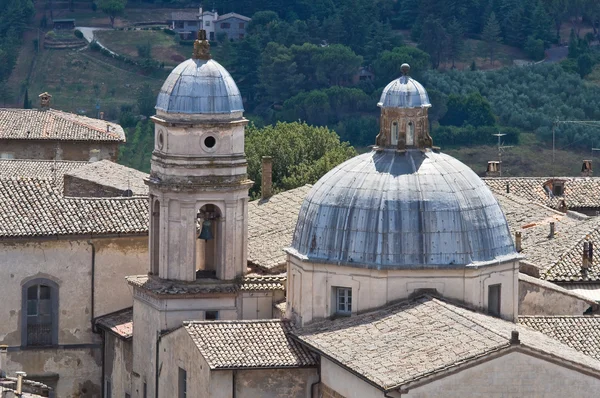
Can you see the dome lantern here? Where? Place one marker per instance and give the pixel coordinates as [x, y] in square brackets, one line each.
[404, 123]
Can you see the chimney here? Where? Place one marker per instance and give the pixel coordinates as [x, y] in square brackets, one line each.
[44, 100]
[266, 189]
[551, 230]
[3, 350]
[101, 115]
[493, 169]
[20, 376]
[585, 263]
[586, 168]
[507, 187]
[514, 337]
[591, 253]
[518, 243]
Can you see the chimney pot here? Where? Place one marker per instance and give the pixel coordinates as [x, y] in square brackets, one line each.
[551, 230]
[266, 189]
[518, 241]
[493, 169]
[585, 258]
[45, 100]
[20, 376]
[514, 337]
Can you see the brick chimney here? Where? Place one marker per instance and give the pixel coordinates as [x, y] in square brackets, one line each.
[493, 169]
[266, 189]
[45, 100]
[586, 168]
[552, 230]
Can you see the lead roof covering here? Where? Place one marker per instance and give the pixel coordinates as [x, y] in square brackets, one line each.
[404, 92]
[386, 210]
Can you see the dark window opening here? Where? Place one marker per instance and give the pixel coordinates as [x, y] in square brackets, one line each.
[494, 300]
[211, 315]
[225, 25]
[182, 383]
[343, 300]
[40, 323]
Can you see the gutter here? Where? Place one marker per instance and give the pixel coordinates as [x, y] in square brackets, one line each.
[156, 370]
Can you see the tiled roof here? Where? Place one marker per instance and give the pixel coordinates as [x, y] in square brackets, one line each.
[233, 15]
[34, 124]
[552, 286]
[120, 322]
[248, 344]
[579, 332]
[114, 175]
[33, 207]
[591, 291]
[184, 16]
[181, 288]
[579, 192]
[404, 342]
[257, 282]
[47, 169]
[559, 256]
[271, 226]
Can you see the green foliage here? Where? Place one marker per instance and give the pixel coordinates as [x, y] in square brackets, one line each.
[301, 154]
[387, 65]
[137, 151]
[146, 99]
[94, 46]
[277, 73]
[491, 36]
[78, 34]
[112, 8]
[144, 50]
[535, 48]
[472, 110]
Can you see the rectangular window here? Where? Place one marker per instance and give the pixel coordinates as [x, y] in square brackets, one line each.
[145, 390]
[211, 315]
[182, 383]
[494, 300]
[241, 25]
[127, 395]
[225, 25]
[207, 23]
[343, 299]
[108, 389]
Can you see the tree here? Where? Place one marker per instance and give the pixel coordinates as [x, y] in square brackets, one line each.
[277, 73]
[456, 42]
[146, 100]
[26, 101]
[434, 40]
[112, 8]
[387, 65]
[336, 64]
[491, 36]
[301, 154]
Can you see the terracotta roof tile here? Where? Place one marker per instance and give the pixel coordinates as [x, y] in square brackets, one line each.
[33, 207]
[120, 322]
[34, 124]
[271, 225]
[249, 344]
[256, 282]
[407, 341]
[52, 170]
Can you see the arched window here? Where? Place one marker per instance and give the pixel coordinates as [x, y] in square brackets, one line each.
[395, 133]
[208, 244]
[410, 134]
[155, 237]
[39, 313]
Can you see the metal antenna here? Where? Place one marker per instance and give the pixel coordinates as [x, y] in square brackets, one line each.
[501, 148]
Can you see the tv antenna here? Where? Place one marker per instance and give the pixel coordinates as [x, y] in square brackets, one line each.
[501, 148]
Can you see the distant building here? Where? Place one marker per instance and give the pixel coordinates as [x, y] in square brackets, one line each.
[48, 134]
[64, 24]
[186, 23]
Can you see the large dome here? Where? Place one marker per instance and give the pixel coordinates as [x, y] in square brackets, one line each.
[385, 210]
[404, 92]
[199, 86]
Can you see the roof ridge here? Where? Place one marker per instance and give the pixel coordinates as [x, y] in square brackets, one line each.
[593, 316]
[234, 321]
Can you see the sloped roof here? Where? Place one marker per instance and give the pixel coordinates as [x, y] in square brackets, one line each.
[33, 207]
[111, 174]
[249, 344]
[271, 226]
[52, 170]
[579, 332]
[255, 282]
[552, 286]
[579, 192]
[119, 323]
[233, 15]
[50, 124]
[407, 341]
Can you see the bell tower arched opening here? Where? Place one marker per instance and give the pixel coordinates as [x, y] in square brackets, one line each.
[155, 236]
[208, 241]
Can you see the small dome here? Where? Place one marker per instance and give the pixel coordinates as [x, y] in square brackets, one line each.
[199, 86]
[382, 210]
[404, 92]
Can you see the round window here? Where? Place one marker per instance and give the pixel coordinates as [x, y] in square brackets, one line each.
[161, 140]
[210, 141]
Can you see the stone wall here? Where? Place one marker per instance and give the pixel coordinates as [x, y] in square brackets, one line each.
[538, 297]
[68, 264]
[78, 187]
[275, 383]
[59, 150]
[118, 362]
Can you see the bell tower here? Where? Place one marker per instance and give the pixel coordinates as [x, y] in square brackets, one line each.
[198, 183]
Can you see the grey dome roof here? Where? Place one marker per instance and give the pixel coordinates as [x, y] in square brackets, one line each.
[198, 86]
[404, 92]
[384, 210]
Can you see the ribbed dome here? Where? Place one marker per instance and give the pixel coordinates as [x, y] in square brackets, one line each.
[199, 86]
[404, 92]
[385, 210]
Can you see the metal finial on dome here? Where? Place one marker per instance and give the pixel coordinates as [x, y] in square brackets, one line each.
[201, 46]
[405, 68]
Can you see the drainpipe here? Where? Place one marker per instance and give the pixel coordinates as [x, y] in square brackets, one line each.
[89, 242]
[156, 370]
[312, 386]
[103, 356]
[233, 383]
